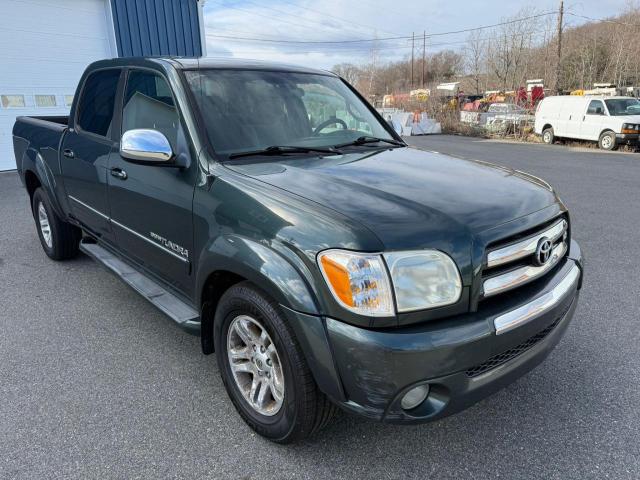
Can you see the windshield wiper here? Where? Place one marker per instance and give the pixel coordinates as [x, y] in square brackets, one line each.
[366, 139]
[285, 149]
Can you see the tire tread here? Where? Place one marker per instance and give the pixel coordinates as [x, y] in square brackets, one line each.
[66, 237]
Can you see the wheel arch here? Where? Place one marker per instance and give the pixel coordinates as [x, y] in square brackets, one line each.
[608, 130]
[231, 259]
[282, 282]
[36, 173]
[31, 182]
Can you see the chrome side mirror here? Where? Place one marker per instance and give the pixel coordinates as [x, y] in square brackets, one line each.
[145, 146]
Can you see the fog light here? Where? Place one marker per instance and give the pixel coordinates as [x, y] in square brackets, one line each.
[414, 397]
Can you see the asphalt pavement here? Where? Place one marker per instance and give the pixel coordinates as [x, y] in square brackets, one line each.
[96, 383]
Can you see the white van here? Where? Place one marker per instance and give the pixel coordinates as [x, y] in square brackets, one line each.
[610, 121]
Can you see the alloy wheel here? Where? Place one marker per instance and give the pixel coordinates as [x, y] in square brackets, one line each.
[45, 227]
[255, 364]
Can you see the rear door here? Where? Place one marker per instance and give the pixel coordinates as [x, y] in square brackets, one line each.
[552, 114]
[151, 205]
[85, 151]
[592, 120]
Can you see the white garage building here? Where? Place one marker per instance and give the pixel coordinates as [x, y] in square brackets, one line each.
[45, 46]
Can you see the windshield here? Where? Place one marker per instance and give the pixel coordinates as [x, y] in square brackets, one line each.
[623, 106]
[248, 110]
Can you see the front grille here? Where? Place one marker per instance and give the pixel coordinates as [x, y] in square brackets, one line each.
[520, 259]
[504, 357]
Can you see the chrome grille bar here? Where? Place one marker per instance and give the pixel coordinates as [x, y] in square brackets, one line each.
[522, 275]
[525, 247]
[540, 305]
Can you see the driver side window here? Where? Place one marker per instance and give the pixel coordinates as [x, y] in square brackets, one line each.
[148, 103]
[596, 107]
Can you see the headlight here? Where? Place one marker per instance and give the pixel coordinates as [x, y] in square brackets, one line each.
[630, 128]
[358, 281]
[423, 279]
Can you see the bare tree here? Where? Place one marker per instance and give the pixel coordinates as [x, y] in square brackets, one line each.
[508, 56]
[350, 72]
[475, 57]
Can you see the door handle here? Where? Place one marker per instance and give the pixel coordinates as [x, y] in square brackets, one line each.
[119, 173]
[67, 152]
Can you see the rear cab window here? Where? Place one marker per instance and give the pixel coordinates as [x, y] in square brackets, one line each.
[97, 101]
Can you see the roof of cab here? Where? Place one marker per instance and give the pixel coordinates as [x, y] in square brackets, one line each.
[184, 63]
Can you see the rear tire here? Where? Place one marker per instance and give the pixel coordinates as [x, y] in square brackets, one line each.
[547, 136]
[59, 239]
[293, 408]
[607, 141]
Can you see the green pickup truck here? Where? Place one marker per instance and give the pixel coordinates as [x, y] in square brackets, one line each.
[270, 210]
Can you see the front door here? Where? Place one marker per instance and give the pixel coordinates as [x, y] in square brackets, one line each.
[151, 206]
[85, 153]
[592, 121]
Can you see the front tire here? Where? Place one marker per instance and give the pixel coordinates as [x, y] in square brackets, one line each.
[58, 238]
[263, 368]
[607, 141]
[548, 136]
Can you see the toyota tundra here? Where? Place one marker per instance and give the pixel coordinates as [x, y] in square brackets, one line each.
[270, 210]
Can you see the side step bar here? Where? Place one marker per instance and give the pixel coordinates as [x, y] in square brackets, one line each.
[184, 315]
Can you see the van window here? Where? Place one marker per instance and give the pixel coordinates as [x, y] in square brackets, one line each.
[95, 110]
[623, 106]
[596, 107]
[148, 103]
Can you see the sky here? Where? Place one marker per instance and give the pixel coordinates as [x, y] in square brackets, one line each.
[335, 20]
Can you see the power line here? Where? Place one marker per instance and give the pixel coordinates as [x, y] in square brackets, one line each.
[508, 22]
[366, 40]
[361, 49]
[604, 20]
[323, 48]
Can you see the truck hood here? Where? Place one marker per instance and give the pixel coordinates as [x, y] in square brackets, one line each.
[409, 198]
[628, 118]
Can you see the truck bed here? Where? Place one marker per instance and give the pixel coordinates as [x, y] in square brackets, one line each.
[39, 135]
[62, 120]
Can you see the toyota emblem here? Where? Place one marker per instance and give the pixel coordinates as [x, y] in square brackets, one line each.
[543, 252]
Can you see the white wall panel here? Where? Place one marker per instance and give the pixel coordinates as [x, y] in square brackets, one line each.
[46, 45]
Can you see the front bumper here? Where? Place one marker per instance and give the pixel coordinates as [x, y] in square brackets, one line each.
[627, 138]
[463, 359]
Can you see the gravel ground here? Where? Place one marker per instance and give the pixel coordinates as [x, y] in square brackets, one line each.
[96, 383]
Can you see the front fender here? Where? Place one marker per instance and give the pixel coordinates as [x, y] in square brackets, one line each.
[277, 271]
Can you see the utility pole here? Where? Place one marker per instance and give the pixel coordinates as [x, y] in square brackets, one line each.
[412, 45]
[424, 54]
[558, 64]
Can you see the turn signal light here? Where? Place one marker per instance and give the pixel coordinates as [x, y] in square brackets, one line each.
[358, 281]
[338, 277]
